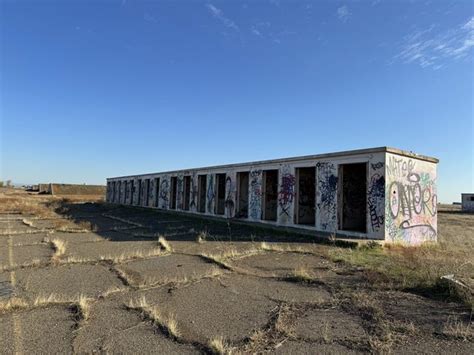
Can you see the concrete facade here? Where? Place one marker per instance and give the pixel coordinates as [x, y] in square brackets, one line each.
[467, 202]
[379, 193]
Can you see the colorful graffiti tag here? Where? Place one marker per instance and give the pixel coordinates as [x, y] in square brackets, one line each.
[229, 198]
[411, 201]
[327, 195]
[164, 192]
[210, 194]
[286, 194]
[375, 198]
[255, 201]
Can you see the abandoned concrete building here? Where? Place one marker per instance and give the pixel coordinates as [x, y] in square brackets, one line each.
[467, 203]
[378, 193]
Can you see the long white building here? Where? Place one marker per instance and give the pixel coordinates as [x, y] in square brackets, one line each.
[379, 193]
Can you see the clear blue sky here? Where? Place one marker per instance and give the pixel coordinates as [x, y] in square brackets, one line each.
[91, 89]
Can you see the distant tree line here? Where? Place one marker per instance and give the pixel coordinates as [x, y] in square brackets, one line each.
[6, 183]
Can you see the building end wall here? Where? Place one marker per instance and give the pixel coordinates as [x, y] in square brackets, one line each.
[468, 202]
[411, 200]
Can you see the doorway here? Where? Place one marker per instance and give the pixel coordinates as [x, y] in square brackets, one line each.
[243, 195]
[187, 192]
[202, 183]
[220, 205]
[305, 212]
[353, 197]
[173, 192]
[270, 195]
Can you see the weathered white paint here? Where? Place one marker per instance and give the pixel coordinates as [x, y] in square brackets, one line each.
[390, 172]
[411, 200]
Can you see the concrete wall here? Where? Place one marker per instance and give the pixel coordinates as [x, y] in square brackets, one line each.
[72, 189]
[44, 188]
[468, 202]
[411, 203]
[327, 208]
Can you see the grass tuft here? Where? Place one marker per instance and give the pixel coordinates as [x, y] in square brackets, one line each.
[302, 274]
[165, 244]
[456, 329]
[167, 323]
[219, 346]
[12, 304]
[202, 237]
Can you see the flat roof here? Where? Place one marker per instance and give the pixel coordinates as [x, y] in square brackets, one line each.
[303, 157]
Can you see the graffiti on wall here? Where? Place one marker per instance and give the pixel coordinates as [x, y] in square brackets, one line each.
[164, 192]
[286, 194]
[211, 194]
[229, 197]
[326, 202]
[375, 198]
[194, 192]
[180, 192]
[255, 192]
[411, 201]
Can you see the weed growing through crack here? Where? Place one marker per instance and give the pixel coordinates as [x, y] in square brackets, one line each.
[202, 237]
[12, 304]
[302, 274]
[167, 323]
[165, 244]
[58, 246]
[219, 346]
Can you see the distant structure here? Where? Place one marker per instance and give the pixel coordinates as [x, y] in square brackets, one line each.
[468, 202]
[379, 193]
[71, 189]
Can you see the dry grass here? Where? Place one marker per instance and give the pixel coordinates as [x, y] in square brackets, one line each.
[115, 259]
[27, 222]
[381, 330]
[165, 244]
[302, 274]
[16, 303]
[152, 282]
[202, 237]
[11, 304]
[219, 346]
[421, 267]
[167, 323]
[455, 328]
[59, 247]
[84, 305]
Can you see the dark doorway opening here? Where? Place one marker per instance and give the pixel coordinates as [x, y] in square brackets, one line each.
[126, 191]
[147, 193]
[243, 195]
[305, 212]
[156, 192]
[173, 192]
[270, 198]
[353, 197]
[130, 191]
[220, 205]
[139, 197]
[187, 192]
[202, 183]
[118, 196]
